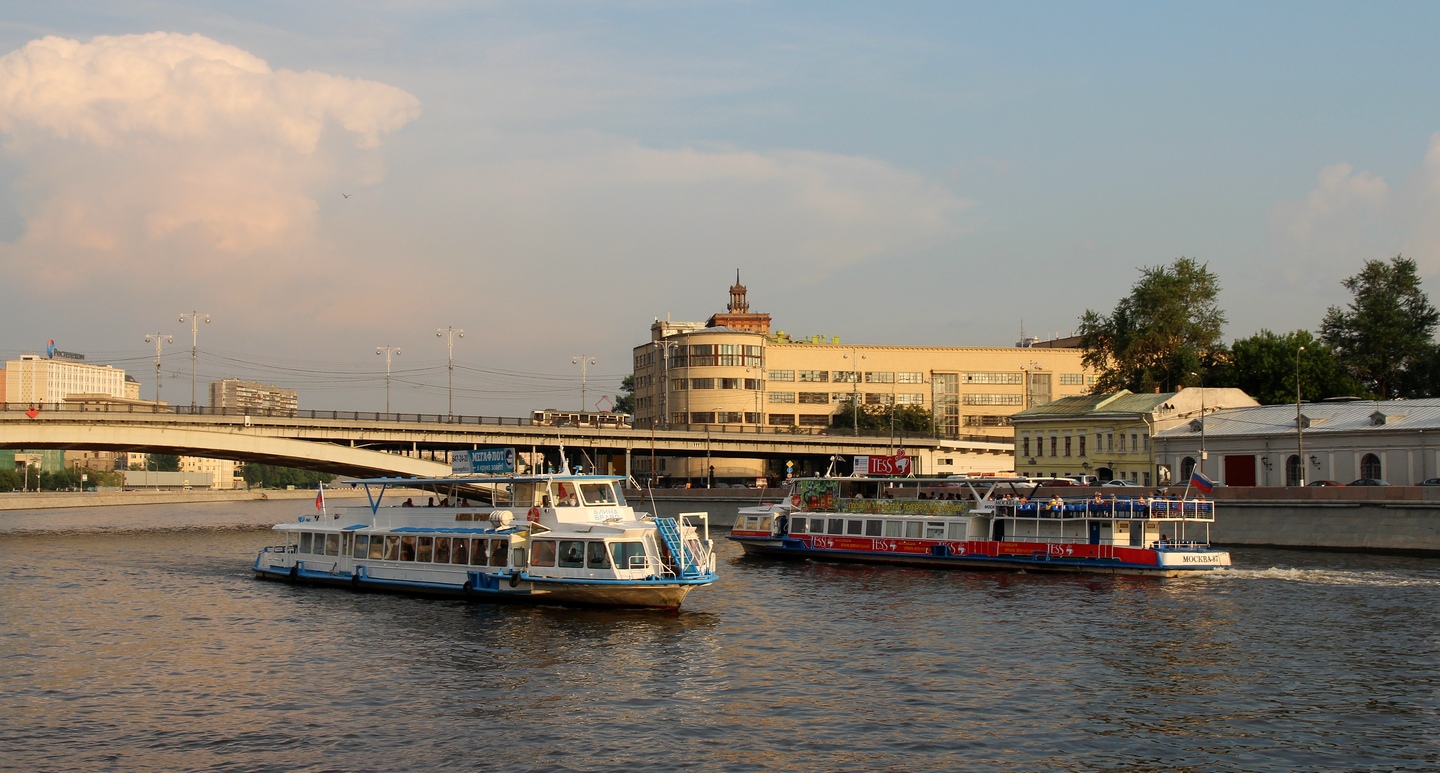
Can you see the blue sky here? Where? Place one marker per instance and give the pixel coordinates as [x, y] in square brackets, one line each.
[552, 176]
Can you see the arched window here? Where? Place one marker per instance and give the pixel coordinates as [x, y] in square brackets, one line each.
[1187, 466]
[1370, 466]
[1292, 470]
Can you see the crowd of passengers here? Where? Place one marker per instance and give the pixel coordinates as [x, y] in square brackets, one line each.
[468, 551]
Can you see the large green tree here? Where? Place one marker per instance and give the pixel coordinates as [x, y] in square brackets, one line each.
[1168, 327]
[270, 476]
[1265, 366]
[1387, 332]
[907, 420]
[625, 399]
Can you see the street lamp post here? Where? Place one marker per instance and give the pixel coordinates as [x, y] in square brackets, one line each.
[1203, 453]
[1299, 418]
[450, 334]
[159, 339]
[855, 357]
[387, 351]
[582, 360]
[194, 318]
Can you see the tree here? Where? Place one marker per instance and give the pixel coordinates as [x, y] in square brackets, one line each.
[1264, 364]
[909, 420]
[1168, 327]
[270, 476]
[165, 462]
[625, 401]
[1388, 329]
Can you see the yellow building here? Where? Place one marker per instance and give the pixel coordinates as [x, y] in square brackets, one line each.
[1109, 436]
[733, 373]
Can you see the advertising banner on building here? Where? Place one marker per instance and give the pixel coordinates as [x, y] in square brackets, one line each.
[486, 460]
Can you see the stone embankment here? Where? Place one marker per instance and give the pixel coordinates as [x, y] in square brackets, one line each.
[56, 499]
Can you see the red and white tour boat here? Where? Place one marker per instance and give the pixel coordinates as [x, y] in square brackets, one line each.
[981, 523]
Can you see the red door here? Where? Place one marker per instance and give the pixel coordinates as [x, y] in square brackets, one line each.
[1240, 470]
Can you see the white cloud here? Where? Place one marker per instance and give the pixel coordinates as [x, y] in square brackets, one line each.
[1333, 226]
[161, 157]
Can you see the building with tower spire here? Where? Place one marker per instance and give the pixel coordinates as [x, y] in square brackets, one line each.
[737, 315]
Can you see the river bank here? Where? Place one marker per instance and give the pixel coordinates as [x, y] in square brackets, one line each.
[49, 500]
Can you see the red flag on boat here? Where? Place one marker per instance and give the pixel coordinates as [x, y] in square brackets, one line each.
[320, 498]
[1199, 481]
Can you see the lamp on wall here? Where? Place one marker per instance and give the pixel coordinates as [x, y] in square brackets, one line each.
[1265, 460]
[1315, 461]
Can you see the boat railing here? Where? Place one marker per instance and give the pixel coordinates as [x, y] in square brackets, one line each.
[651, 565]
[1133, 509]
[939, 507]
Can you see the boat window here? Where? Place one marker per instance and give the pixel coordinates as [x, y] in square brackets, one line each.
[872, 528]
[524, 495]
[442, 550]
[596, 557]
[628, 555]
[835, 526]
[407, 548]
[955, 530]
[332, 544]
[497, 553]
[572, 553]
[392, 548]
[425, 549]
[854, 527]
[797, 525]
[753, 523]
[912, 529]
[460, 551]
[305, 538]
[598, 493]
[362, 545]
[377, 547]
[565, 495]
[934, 530]
[542, 553]
[478, 550]
[893, 529]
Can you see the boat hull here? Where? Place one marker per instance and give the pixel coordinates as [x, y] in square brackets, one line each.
[525, 589]
[1039, 559]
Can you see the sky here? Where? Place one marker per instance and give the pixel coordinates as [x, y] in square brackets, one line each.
[326, 178]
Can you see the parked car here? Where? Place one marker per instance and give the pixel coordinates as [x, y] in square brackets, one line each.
[1118, 482]
[1430, 482]
[1324, 483]
[1369, 482]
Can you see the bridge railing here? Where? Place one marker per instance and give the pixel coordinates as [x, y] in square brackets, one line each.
[440, 418]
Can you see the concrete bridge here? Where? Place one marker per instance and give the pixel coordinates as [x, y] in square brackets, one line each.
[367, 444]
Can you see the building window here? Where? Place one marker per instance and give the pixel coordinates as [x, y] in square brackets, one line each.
[702, 383]
[846, 377]
[913, 398]
[782, 375]
[877, 398]
[1054, 442]
[1187, 466]
[752, 418]
[1082, 445]
[1067, 445]
[782, 397]
[879, 377]
[1072, 379]
[729, 383]
[1025, 445]
[815, 376]
[1134, 442]
[909, 378]
[814, 419]
[678, 384]
[782, 419]
[1370, 466]
[993, 399]
[815, 398]
[984, 421]
[991, 378]
[1292, 470]
[1110, 442]
[677, 418]
[702, 417]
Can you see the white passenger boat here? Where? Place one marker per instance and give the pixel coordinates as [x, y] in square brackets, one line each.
[551, 539]
[981, 523]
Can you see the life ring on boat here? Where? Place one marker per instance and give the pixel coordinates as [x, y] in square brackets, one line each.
[534, 515]
[294, 573]
[795, 500]
[515, 580]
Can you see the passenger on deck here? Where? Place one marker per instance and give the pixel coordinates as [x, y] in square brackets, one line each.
[408, 503]
[445, 502]
[431, 503]
[1160, 544]
[1099, 499]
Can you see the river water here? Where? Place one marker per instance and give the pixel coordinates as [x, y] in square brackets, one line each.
[135, 639]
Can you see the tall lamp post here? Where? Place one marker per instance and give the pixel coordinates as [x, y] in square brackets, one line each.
[387, 351]
[450, 334]
[855, 357]
[1299, 418]
[159, 339]
[1203, 453]
[582, 360]
[194, 317]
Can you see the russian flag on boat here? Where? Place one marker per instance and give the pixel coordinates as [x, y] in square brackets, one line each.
[320, 498]
[1199, 481]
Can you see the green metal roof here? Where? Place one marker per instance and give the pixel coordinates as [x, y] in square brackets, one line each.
[1077, 406]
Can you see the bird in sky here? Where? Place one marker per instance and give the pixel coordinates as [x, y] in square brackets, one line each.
[346, 195]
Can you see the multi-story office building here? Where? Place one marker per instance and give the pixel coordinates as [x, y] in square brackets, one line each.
[733, 372]
[36, 380]
[252, 396]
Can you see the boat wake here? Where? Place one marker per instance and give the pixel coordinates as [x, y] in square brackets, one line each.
[1390, 579]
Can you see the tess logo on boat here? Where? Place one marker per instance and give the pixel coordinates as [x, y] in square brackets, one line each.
[899, 464]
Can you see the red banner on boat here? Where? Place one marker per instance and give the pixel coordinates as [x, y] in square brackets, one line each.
[899, 464]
